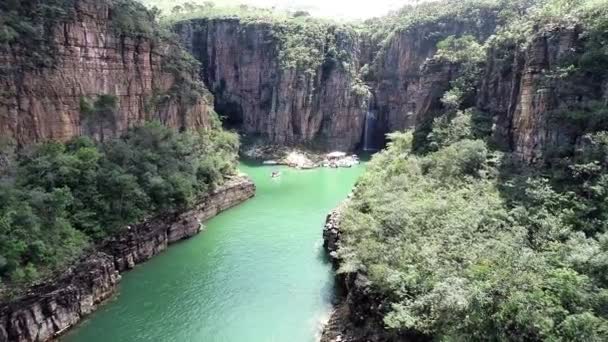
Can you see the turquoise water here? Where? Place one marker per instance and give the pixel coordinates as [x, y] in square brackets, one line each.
[258, 273]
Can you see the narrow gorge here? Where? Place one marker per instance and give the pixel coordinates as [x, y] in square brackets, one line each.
[323, 93]
[124, 128]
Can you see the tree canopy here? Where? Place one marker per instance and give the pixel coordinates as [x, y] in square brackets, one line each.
[55, 198]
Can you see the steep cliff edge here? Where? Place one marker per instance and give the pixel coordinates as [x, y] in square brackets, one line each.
[406, 79]
[284, 95]
[48, 311]
[85, 56]
[529, 92]
[301, 80]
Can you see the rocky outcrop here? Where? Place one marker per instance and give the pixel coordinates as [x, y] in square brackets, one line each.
[91, 59]
[287, 105]
[524, 89]
[331, 233]
[406, 87]
[49, 310]
[323, 104]
[242, 66]
[520, 88]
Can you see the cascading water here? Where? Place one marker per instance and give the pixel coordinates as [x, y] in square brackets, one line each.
[368, 133]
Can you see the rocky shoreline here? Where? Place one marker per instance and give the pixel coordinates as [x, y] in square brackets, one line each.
[299, 158]
[358, 315]
[50, 309]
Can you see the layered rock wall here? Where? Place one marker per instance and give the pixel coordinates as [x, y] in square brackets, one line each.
[241, 65]
[524, 91]
[44, 102]
[49, 310]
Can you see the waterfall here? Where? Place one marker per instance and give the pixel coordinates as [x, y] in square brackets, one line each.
[368, 131]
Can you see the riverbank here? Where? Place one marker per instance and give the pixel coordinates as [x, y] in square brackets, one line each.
[258, 273]
[358, 314]
[49, 310]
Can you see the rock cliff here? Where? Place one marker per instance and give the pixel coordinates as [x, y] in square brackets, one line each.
[524, 89]
[49, 310]
[399, 82]
[242, 65]
[43, 101]
[324, 102]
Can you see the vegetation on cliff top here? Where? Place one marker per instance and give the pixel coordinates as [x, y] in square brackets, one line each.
[56, 199]
[462, 241]
[30, 26]
[303, 43]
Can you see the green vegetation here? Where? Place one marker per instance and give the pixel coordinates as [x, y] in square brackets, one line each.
[56, 199]
[467, 246]
[187, 88]
[460, 240]
[32, 21]
[99, 115]
[28, 26]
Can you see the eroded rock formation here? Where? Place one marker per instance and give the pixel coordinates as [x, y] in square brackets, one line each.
[42, 103]
[522, 89]
[241, 66]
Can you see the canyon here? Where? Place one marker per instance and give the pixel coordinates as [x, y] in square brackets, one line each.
[52, 308]
[323, 103]
[241, 64]
[321, 94]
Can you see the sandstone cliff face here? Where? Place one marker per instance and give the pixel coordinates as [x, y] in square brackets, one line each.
[521, 90]
[58, 306]
[407, 87]
[48, 311]
[241, 66]
[521, 87]
[44, 103]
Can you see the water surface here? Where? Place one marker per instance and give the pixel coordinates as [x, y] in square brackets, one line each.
[257, 273]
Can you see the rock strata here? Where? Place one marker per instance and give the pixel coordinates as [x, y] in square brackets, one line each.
[241, 65]
[44, 103]
[48, 310]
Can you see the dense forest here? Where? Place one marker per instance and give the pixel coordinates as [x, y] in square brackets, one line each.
[58, 198]
[461, 239]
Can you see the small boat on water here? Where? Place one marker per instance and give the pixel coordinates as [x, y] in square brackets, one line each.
[275, 174]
